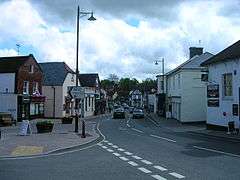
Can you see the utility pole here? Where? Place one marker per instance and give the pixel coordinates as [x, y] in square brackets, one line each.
[18, 48]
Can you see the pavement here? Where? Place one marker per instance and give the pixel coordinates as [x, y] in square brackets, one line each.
[62, 137]
[134, 149]
[197, 128]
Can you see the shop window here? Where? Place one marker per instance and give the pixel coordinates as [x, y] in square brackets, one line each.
[25, 87]
[227, 84]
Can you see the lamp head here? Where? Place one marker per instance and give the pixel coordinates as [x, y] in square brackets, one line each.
[92, 18]
[156, 63]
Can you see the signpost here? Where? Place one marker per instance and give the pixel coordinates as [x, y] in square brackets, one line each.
[77, 92]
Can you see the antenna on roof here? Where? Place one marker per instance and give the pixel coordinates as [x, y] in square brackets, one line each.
[18, 48]
[199, 42]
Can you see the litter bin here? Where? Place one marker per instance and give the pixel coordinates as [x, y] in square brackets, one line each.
[231, 126]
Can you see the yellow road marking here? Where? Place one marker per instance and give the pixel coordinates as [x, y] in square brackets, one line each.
[27, 150]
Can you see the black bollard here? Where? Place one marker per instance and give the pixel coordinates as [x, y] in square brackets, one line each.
[83, 129]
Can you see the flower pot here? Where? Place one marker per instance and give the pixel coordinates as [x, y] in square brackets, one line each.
[67, 120]
[44, 127]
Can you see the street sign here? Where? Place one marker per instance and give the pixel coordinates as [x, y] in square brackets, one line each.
[77, 92]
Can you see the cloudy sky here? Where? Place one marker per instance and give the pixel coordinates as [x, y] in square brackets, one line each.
[126, 39]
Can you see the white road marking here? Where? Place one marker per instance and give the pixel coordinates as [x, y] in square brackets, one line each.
[132, 163]
[114, 146]
[160, 168]
[158, 177]
[137, 130]
[116, 154]
[128, 125]
[105, 147]
[109, 150]
[128, 153]
[120, 149]
[136, 157]
[123, 158]
[100, 144]
[105, 141]
[146, 162]
[179, 176]
[152, 121]
[144, 170]
[216, 151]
[110, 144]
[167, 139]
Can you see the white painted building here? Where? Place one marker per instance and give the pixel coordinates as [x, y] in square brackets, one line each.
[186, 93]
[223, 88]
[136, 98]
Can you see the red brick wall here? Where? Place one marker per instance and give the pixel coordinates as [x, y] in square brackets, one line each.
[25, 75]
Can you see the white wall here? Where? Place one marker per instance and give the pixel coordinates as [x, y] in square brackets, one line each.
[8, 103]
[7, 81]
[215, 114]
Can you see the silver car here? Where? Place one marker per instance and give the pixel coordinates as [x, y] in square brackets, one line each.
[138, 113]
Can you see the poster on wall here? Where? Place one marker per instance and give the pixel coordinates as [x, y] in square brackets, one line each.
[213, 91]
[235, 109]
[213, 102]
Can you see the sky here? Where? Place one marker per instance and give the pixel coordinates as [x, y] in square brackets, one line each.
[127, 37]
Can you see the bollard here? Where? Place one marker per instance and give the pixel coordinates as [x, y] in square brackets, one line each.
[83, 129]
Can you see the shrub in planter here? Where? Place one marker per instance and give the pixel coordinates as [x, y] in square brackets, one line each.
[67, 120]
[44, 126]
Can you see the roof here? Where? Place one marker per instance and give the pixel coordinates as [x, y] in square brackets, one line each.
[13, 63]
[55, 73]
[230, 52]
[88, 80]
[193, 63]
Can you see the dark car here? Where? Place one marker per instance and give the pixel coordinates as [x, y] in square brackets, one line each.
[130, 109]
[118, 113]
[138, 113]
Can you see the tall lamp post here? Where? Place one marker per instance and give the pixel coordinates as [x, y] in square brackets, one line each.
[91, 18]
[156, 63]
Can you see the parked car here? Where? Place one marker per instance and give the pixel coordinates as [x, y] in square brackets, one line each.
[138, 113]
[130, 109]
[118, 113]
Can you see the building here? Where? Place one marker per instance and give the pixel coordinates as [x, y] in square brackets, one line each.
[185, 90]
[92, 101]
[58, 77]
[21, 80]
[223, 91]
[136, 98]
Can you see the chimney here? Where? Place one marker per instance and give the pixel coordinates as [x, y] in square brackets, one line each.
[195, 51]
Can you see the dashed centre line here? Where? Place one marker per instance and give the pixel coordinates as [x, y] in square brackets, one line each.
[120, 149]
[144, 170]
[109, 150]
[114, 146]
[136, 157]
[105, 147]
[146, 162]
[160, 168]
[123, 158]
[110, 144]
[116, 154]
[158, 177]
[179, 176]
[128, 153]
[132, 163]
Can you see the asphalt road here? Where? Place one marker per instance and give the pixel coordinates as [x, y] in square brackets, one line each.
[134, 149]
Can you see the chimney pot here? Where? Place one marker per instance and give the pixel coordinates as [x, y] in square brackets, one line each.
[195, 51]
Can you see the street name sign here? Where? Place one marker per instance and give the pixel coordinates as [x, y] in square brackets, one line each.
[77, 92]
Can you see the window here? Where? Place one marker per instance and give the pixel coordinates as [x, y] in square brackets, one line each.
[92, 104]
[227, 84]
[89, 102]
[179, 81]
[35, 87]
[31, 68]
[85, 104]
[25, 87]
[173, 82]
[72, 79]
[169, 83]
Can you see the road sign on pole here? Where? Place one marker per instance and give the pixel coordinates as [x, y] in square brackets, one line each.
[77, 92]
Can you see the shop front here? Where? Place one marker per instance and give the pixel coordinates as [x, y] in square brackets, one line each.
[23, 106]
[37, 106]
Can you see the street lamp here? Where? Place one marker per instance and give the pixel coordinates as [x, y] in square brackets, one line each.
[91, 18]
[156, 63]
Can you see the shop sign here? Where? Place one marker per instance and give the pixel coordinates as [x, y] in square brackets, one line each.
[213, 102]
[213, 91]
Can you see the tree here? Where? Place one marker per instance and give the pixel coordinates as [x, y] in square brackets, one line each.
[147, 85]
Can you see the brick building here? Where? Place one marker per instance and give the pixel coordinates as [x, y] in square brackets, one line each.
[21, 87]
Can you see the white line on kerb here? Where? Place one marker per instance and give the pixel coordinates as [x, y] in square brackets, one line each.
[160, 168]
[136, 157]
[216, 151]
[116, 154]
[146, 162]
[128, 153]
[159, 137]
[120, 149]
[123, 158]
[144, 170]
[158, 177]
[137, 130]
[132, 163]
[179, 176]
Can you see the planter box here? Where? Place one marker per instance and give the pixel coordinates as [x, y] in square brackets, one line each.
[44, 128]
[67, 120]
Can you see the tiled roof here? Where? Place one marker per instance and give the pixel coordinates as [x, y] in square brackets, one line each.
[230, 52]
[55, 73]
[88, 80]
[13, 63]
